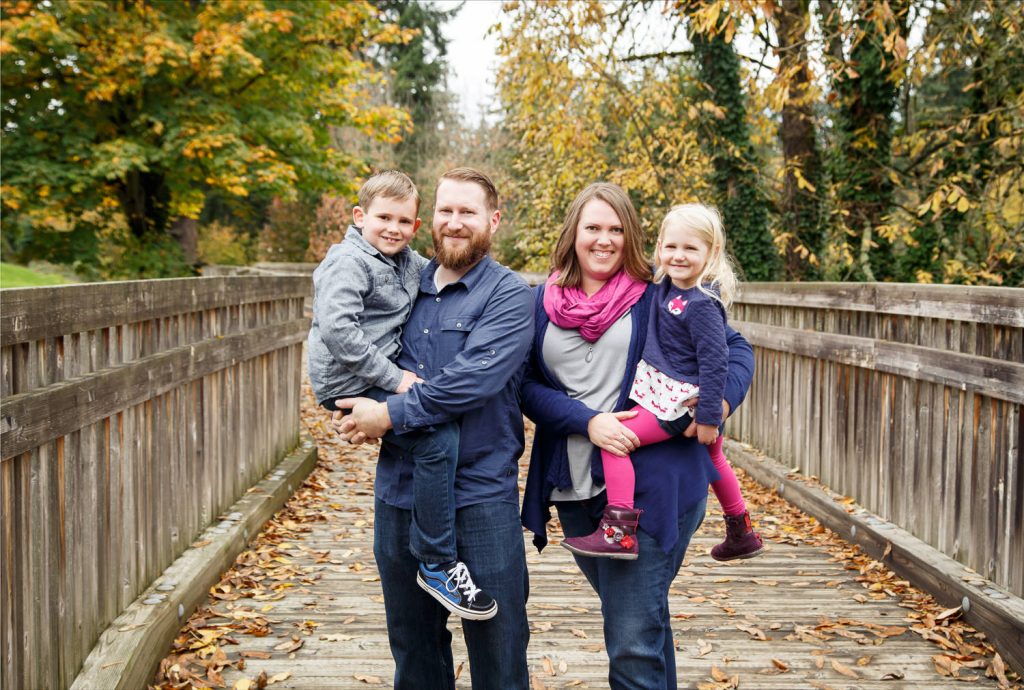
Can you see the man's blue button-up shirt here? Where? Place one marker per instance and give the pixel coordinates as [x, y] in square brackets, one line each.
[469, 342]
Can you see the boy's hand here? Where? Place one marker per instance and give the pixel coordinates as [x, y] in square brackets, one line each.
[707, 433]
[408, 378]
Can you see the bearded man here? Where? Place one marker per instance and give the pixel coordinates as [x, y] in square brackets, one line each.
[468, 337]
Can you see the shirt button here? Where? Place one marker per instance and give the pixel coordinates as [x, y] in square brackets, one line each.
[419, 366]
[483, 362]
[426, 330]
[458, 325]
[490, 352]
[437, 299]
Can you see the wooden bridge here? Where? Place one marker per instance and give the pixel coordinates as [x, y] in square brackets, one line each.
[170, 520]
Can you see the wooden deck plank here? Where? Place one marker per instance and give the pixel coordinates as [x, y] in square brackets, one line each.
[338, 613]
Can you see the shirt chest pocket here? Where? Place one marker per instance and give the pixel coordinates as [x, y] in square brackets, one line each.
[388, 295]
[453, 333]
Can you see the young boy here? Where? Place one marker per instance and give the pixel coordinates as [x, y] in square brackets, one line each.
[363, 292]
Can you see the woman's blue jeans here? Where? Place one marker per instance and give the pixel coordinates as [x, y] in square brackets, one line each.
[490, 543]
[634, 597]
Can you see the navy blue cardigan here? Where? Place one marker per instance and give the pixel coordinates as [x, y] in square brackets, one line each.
[671, 476]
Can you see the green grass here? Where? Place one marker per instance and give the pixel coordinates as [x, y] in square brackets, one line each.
[12, 276]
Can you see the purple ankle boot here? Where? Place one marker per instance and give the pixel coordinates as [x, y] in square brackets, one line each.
[615, 537]
[741, 541]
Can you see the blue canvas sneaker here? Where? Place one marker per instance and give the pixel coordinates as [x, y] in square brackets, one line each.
[455, 590]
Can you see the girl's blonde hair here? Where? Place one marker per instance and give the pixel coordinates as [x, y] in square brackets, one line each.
[718, 271]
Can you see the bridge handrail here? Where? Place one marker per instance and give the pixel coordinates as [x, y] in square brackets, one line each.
[906, 398]
[133, 415]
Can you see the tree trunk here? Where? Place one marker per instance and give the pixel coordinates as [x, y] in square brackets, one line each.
[862, 149]
[735, 178]
[800, 206]
[186, 232]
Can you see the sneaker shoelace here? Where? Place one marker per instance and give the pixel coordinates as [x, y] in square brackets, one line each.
[463, 582]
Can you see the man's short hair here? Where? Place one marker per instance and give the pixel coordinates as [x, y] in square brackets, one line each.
[393, 184]
[475, 176]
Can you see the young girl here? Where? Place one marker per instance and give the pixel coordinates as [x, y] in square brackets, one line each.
[684, 362]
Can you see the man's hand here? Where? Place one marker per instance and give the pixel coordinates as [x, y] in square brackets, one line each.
[607, 432]
[367, 419]
[408, 378]
[691, 430]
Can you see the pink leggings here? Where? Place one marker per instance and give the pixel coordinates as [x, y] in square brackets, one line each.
[621, 482]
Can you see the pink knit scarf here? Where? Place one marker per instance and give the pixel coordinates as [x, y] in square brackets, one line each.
[571, 308]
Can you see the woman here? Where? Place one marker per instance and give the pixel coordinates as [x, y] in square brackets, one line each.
[591, 323]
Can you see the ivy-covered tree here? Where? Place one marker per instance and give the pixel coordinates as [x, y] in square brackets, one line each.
[866, 53]
[735, 177]
[958, 148]
[119, 119]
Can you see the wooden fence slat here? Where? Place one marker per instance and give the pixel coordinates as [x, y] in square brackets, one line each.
[1004, 380]
[1000, 306]
[32, 313]
[56, 410]
[919, 415]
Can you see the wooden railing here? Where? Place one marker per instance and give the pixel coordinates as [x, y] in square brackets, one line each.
[133, 414]
[906, 398]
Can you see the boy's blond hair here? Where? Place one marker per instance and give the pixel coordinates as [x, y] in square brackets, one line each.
[706, 222]
[393, 184]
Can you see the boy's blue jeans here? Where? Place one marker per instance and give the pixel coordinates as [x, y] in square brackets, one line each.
[435, 453]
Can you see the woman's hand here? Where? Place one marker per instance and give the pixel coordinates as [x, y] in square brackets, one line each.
[607, 432]
[707, 433]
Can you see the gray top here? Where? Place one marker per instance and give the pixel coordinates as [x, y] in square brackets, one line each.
[595, 383]
[361, 299]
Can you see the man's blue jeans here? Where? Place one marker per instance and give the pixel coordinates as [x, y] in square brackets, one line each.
[634, 597]
[490, 542]
[434, 452]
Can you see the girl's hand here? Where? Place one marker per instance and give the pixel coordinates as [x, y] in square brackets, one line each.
[691, 430]
[707, 433]
[607, 432]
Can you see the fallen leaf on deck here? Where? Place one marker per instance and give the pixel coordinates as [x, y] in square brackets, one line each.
[844, 669]
[781, 665]
[371, 680]
[255, 655]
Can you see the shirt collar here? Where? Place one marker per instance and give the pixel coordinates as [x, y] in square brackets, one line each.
[472, 277]
[355, 235]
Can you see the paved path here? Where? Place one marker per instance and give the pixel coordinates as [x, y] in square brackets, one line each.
[304, 607]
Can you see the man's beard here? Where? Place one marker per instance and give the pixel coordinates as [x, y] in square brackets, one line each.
[466, 256]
